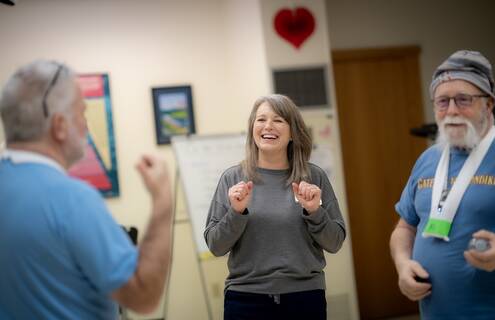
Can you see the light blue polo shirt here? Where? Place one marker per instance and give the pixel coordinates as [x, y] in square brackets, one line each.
[61, 252]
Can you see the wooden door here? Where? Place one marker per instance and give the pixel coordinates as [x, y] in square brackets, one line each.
[379, 99]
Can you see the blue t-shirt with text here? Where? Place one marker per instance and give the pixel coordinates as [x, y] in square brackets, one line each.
[459, 291]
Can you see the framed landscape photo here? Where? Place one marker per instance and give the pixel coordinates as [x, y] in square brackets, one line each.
[174, 115]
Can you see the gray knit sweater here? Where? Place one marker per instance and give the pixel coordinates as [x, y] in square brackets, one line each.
[276, 247]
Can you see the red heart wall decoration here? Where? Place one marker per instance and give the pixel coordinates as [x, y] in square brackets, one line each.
[295, 26]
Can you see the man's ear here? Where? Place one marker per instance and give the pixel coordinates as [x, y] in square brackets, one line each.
[59, 127]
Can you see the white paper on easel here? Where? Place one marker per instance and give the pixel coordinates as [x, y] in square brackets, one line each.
[201, 161]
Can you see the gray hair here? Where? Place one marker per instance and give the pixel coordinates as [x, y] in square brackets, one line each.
[21, 102]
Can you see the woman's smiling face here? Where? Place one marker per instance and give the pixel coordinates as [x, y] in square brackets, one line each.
[271, 132]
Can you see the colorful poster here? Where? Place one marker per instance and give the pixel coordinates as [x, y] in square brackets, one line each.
[99, 166]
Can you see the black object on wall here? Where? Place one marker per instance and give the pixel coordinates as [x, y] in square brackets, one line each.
[427, 130]
[307, 87]
[8, 2]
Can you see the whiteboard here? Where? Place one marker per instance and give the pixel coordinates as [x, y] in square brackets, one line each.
[201, 161]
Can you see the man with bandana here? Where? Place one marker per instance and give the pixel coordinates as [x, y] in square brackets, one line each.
[450, 199]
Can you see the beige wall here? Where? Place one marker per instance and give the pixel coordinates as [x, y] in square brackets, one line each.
[216, 46]
[439, 27]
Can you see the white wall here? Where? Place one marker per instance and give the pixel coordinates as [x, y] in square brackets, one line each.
[216, 46]
[439, 27]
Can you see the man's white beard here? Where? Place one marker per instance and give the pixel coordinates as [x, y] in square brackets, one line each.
[468, 140]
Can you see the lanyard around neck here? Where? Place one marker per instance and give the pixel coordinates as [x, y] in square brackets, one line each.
[440, 221]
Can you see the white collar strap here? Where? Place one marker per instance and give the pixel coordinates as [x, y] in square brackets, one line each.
[22, 156]
[441, 217]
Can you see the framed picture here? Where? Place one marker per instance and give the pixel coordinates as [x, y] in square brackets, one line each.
[173, 112]
[99, 165]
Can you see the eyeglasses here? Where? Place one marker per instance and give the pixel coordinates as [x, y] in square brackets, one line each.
[49, 88]
[462, 101]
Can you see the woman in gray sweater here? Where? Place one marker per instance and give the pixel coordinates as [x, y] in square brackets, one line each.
[275, 213]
